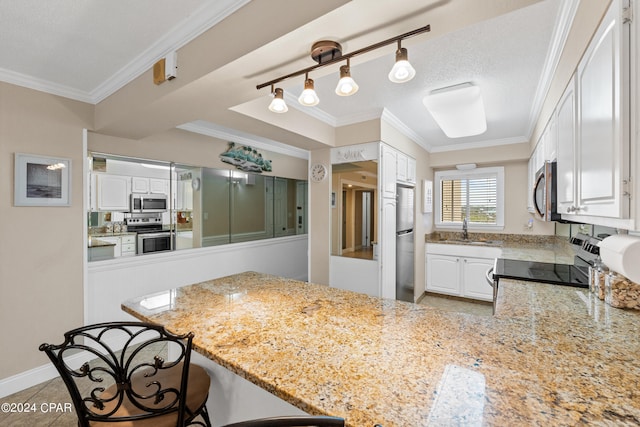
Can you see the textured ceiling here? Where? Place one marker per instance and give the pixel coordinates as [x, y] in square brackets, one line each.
[88, 49]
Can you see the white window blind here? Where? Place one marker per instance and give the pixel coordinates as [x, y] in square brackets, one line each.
[475, 195]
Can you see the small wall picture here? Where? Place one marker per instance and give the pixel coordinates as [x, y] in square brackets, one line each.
[41, 181]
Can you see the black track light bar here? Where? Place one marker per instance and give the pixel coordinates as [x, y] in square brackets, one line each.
[344, 57]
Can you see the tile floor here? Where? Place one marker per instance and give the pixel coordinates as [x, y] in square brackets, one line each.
[42, 396]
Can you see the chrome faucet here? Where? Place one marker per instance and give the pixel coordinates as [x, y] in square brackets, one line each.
[465, 231]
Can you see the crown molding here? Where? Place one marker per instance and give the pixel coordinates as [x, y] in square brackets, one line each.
[210, 129]
[405, 130]
[568, 10]
[42, 85]
[481, 144]
[205, 17]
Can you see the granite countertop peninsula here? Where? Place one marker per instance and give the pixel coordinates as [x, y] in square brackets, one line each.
[554, 249]
[551, 356]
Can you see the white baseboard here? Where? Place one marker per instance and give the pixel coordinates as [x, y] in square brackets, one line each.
[36, 376]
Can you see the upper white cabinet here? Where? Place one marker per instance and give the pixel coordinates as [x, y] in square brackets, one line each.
[550, 141]
[603, 109]
[405, 169]
[158, 186]
[567, 147]
[149, 185]
[388, 166]
[113, 192]
[139, 185]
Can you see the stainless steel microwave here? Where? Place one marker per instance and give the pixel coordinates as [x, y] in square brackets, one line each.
[143, 203]
[545, 193]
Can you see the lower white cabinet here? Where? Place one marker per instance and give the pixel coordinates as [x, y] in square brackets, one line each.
[125, 245]
[460, 270]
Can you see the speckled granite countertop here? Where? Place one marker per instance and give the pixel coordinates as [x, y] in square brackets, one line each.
[552, 356]
[514, 246]
[97, 243]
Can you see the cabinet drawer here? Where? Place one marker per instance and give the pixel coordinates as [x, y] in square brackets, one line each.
[128, 248]
[129, 238]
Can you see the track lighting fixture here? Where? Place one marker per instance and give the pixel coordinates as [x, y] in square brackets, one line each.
[402, 70]
[327, 52]
[277, 104]
[346, 86]
[308, 97]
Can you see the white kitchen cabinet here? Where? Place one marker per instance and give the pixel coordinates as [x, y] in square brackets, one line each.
[411, 170]
[443, 274]
[158, 186]
[567, 147]
[139, 185]
[113, 192]
[603, 109]
[550, 140]
[388, 170]
[460, 270]
[474, 280]
[388, 248]
[405, 169]
[144, 185]
[117, 249]
[128, 244]
[402, 167]
[125, 245]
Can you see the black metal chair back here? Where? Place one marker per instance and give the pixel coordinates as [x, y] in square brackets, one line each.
[150, 377]
[292, 421]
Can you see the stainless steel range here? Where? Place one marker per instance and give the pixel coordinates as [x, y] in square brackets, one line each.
[151, 237]
[576, 274]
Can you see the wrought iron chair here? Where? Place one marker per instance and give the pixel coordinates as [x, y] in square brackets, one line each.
[292, 421]
[150, 382]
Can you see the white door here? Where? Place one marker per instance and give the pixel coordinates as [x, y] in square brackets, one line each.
[603, 96]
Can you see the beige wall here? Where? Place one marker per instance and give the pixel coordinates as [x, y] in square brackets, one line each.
[41, 256]
[514, 158]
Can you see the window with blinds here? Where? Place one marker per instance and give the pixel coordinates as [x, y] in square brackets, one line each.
[475, 195]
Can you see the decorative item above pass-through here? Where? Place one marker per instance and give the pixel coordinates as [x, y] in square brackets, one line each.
[245, 158]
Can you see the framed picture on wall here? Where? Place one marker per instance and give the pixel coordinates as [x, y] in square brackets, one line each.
[41, 181]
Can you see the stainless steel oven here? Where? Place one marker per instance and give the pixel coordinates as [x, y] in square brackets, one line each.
[151, 237]
[154, 242]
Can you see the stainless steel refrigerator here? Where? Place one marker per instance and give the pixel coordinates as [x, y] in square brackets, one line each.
[404, 243]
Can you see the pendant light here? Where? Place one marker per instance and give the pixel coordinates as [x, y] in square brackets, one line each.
[277, 104]
[346, 85]
[402, 70]
[308, 97]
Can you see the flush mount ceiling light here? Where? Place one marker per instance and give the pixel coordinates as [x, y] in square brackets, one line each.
[458, 110]
[278, 105]
[326, 52]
